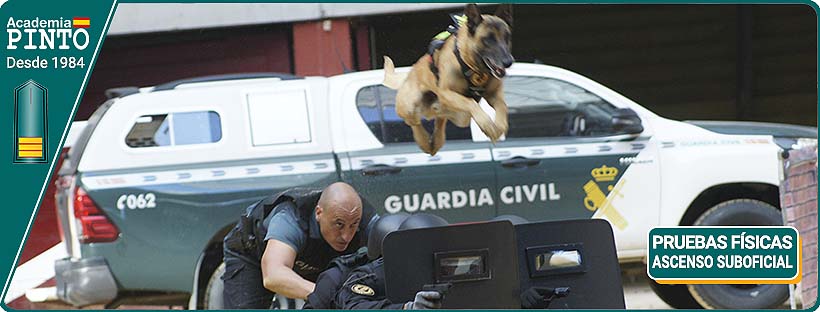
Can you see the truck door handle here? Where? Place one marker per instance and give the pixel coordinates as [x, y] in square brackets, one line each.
[519, 162]
[379, 170]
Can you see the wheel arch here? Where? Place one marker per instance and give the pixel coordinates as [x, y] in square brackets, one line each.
[209, 260]
[714, 195]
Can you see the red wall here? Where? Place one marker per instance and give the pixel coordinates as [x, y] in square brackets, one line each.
[320, 52]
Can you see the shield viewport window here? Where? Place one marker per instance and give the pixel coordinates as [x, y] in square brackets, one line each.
[460, 266]
[557, 259]
[469, 265]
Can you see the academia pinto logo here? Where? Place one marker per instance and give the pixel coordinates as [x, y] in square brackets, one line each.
[48, 34]
[31, 39]
[724, 255]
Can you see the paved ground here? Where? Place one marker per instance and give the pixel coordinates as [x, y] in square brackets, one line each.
[637, 293]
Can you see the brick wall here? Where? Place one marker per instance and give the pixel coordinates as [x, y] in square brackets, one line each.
[798, 197]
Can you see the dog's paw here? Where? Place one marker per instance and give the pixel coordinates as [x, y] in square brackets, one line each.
[503, 126]
[427, 148]
[492, 132]
[494, 139]
[435, 147]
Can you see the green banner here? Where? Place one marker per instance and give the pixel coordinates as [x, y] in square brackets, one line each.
[724, 254]
[49, 50]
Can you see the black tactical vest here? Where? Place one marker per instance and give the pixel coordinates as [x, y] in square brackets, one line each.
[247, 239]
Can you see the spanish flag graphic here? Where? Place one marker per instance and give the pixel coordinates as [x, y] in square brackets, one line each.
[81, 22]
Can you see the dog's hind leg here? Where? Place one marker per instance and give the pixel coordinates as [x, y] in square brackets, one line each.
[408, 100]
[439, 134]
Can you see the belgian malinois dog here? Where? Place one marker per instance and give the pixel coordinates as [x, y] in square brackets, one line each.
[448, 83]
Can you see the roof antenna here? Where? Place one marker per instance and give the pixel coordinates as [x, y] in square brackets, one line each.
[327, 26]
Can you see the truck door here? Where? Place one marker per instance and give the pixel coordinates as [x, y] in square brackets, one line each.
[561, 158]
[394, 175]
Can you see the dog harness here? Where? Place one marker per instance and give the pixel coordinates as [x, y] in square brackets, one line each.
[476, 80]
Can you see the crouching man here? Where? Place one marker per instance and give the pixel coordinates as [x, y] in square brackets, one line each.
[284, 241]
[364, 288]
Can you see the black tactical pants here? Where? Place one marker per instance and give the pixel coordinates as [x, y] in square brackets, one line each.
[243, 286]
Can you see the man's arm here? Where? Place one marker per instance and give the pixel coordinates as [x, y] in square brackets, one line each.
[365, 298]
[277, 271]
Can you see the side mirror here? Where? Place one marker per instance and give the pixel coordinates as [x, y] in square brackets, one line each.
[626, 121]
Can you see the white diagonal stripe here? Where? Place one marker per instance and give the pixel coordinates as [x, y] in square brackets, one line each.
[34, 272]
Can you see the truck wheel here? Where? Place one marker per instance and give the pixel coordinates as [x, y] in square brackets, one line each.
[740, 212]
[676, 296]
[213, 291]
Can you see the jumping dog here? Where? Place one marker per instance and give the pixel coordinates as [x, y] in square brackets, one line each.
[447, 83]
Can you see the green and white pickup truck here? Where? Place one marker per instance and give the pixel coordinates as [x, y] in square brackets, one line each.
[160, 174]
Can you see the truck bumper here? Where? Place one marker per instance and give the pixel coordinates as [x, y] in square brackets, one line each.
[82, 282]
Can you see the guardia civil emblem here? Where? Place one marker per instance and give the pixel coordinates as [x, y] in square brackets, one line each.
[362, 290]
[596, 199]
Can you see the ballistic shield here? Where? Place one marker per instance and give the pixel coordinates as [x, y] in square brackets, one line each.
[579, 254]
[479, 260]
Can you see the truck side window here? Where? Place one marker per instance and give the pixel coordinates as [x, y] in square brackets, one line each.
[377, 106]
[279, 117]
[175, 129]
[544, 107]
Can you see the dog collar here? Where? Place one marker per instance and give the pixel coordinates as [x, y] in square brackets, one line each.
[476, 80]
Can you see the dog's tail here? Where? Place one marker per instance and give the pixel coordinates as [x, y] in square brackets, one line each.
[392, 79]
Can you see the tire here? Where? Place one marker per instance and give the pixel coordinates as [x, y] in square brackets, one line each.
[676, 296]
[740, 212]
[213, 291]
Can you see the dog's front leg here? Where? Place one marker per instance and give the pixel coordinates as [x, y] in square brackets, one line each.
[457, 102]
[500, 106]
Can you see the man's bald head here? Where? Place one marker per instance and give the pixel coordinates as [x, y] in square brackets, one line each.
[339, 213]
[340, 195]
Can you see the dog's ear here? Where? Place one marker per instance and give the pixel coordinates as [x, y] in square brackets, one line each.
[504, 12]
[473, 17]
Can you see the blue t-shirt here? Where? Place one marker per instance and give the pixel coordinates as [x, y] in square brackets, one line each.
[284, 227]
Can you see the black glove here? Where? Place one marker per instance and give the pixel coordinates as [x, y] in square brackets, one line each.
[425, 300]
[540, 297]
